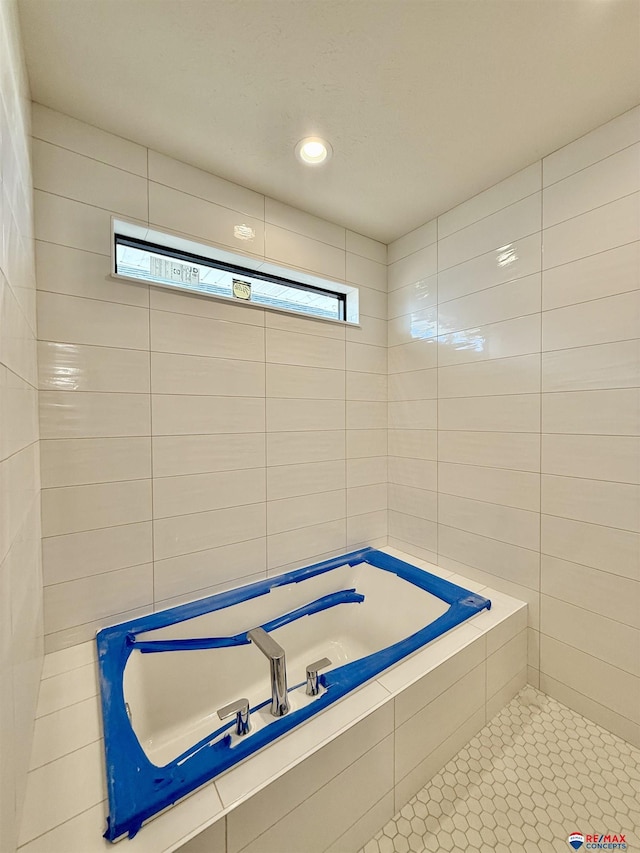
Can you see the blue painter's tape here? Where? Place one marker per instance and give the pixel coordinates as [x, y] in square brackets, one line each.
[139, 789]
[345, 596]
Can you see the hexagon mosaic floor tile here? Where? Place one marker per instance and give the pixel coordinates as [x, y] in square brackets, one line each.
[535, 774]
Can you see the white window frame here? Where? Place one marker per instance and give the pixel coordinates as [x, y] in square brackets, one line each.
[172, 241]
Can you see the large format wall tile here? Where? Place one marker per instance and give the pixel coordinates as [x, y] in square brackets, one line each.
[191, 443]
[531, 476]
[21, 628]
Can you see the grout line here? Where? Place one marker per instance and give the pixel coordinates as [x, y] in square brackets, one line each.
[63, 823]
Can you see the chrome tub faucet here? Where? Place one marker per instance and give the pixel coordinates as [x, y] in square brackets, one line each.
[278, 669]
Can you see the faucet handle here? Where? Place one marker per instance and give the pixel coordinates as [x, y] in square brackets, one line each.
[312, 675]
[242, 714]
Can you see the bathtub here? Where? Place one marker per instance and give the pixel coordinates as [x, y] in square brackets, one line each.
[163, 677]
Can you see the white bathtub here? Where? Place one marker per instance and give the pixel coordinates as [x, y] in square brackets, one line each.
[164, 677]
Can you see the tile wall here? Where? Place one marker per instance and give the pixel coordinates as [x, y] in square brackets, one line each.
[189, 443]
[514, 409]
[20, 563]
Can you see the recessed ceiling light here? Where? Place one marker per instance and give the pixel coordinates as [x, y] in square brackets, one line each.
[313, 151]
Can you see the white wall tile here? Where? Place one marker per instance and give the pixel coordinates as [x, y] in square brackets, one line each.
[493, 305]
[197, 572]
[202, 492]
[595, 501]
[500, 559]
[519, 336]
[420, 237]
[366, 272]
[364, 358]
[412, 297]
[366, 415]
[413, 385]
[607, 685]
[224, 377]
[418, 473]
[506, 263]
[420, 354]
[417, 444]
[186, 214]
[413, 414]
[284, 448]
[67, 132]
[512, 413]
[366, 247]
[71, 462]
[69, 414]
[592, 412]
[411, 500]
[416, 267]
[99, 597]
[77, 555]
[614, 365]
[304, 382]
[606, 639]
[517, 375]
[607, 180]
[71, 223]
[593, 277]
[511, 223]
[71, 175]
[422, 732]
[198, 415]
[187, 179]
[277, 213]
[592, 147]
[362, 443]
[287, 481]
[518, 186]
[601, 457]
[610, 595]
[604, 548]
[294, 415]
[71, 509]
[199, 305]
[76, 272]
[614, 318]
[604, 228]
[370, 387]
[304, 350]
[304, 325]
[504, 523]
[519, 489]
[194, 454]
[366, 499]
[179, 333]
[69, 319]
[305, 511]
[302, 544]
[75, 367]
[186, 534]
[296, 250]
[417, 531]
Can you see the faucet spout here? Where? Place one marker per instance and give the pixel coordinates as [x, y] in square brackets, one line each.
[278, 669]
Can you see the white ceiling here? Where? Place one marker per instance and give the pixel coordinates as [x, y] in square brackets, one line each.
[426, 102]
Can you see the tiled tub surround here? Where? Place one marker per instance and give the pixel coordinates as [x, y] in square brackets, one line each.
[514, 409]
[329, 785]
[20, 560]
[182, 432]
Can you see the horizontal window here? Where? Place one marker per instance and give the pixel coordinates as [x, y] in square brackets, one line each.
[179, 267]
